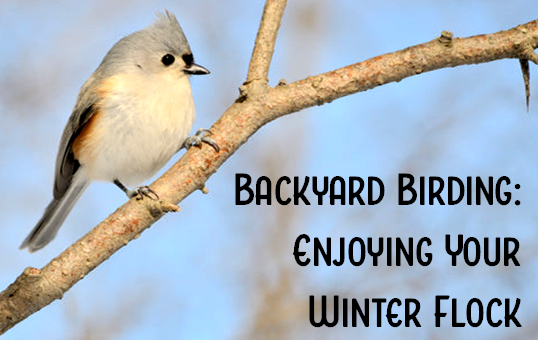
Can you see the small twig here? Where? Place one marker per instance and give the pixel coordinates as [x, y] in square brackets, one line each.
[265, 41]
[527, 53]
[526, 78]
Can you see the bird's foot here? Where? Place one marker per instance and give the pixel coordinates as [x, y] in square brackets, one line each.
[141, 192]
[198, 138]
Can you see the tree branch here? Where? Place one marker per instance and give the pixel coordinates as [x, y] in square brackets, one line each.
[258, 105]
[265, 41]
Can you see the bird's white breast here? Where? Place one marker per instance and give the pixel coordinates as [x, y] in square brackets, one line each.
[143, 122]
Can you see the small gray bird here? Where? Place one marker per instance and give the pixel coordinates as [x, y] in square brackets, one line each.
[131, 116]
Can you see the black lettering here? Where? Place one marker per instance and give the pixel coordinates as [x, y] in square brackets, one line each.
[511, 254]
[455, 322]
[344, 311]
[407, 187]
[391, 316]
[379, 303]
[438, 314]
[324, 191]
[300, 194]
[511, 315]
[297, 254]
[507, 194]
[401, 249]
[244, 187]
[466, 251]
[421, 189]
[375, 255]
[488, 313]
[323, 320]
[351, 251]
[469, 190]
[388, 254]
[379, 182]
[259, 195]
[436, 193]
[278, 190]
[355, 194]
[411, 316]
[365, 316]
[342, 252]
[333, 196]
[480, 312]
[497, 252]
[451, 200]
[458, 251]
[427, 255]
[318, 248]
[488, 192]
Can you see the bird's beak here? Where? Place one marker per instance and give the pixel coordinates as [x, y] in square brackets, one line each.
[196, 69]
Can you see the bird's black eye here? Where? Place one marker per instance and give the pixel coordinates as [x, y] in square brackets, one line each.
[168, 59]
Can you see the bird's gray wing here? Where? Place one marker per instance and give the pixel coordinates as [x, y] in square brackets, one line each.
[66, 164]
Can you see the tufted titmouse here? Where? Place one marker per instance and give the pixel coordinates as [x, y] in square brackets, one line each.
[131, 116]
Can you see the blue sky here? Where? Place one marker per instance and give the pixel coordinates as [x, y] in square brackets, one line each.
[207, 272]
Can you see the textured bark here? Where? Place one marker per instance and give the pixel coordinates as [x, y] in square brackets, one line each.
[257, 105]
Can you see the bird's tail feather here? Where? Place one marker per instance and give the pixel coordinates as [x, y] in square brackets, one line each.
[55, 215]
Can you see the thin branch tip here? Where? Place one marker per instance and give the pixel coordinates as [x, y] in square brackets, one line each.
[525, 70]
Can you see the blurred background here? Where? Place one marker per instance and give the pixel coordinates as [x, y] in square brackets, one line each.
[220, 271]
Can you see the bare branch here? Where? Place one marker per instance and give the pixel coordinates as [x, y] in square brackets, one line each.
[36, 288]
[393, 67]
[265, 41]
